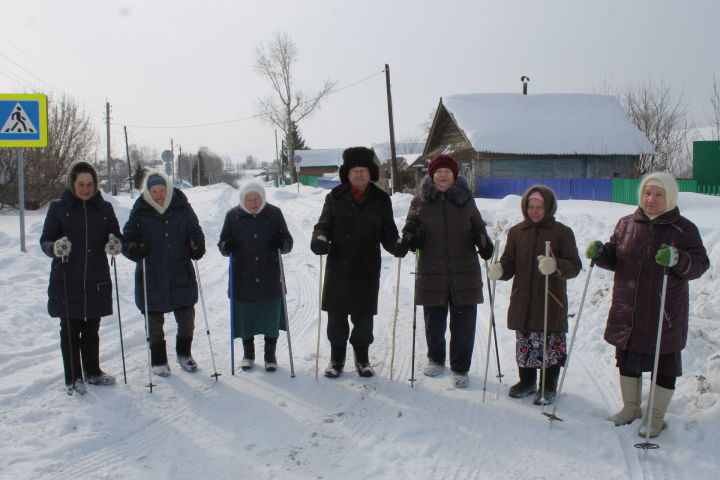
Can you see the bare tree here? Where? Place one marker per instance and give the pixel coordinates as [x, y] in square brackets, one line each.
[714, 117]
[287, 106]
[70, 138]
[663, 119]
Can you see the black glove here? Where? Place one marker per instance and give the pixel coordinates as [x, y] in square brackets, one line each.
[278, 241]
[320, 245]
[484, 246]
[197, 250]
[136, 251]
[413, 237]
[400, 249]
[226, 246]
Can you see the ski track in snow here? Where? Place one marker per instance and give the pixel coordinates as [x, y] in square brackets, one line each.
[256, 424]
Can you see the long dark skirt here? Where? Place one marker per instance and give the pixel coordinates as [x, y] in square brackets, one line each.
[669, 365]
[258, 318]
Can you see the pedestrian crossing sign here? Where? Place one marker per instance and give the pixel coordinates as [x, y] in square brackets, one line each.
[23, 120]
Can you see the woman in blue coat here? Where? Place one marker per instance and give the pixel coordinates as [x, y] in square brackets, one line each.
[80, 228]
[253, 232]
[164, 231]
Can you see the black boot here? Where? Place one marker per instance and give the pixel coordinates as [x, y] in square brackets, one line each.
[362, 361]
[248, 354]
[526, 385]
[270, 359]
[551, 379]
[184, 357]
[337, 361]
[158, 359]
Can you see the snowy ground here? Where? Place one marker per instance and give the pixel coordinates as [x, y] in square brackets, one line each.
[268, 425]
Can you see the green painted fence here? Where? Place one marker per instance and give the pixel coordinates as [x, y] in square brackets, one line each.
[308, 180]
[625, 190]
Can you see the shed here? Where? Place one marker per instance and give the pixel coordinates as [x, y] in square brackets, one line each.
[406, 153]
[319, 161]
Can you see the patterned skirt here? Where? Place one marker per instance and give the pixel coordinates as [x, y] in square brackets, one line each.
[529, 349]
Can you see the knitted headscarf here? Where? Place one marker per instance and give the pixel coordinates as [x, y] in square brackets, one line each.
[666, 182]
[252, 187]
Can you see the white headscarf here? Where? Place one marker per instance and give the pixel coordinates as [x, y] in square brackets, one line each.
[252, 187]
[666, 182]
[148, 198]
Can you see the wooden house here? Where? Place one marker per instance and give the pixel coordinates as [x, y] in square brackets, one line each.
[319, 161]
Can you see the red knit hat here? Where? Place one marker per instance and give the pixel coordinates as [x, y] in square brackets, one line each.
[443, 161]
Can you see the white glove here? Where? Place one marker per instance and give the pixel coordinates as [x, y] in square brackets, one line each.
[494, 271]
[62, 247]
[113, 245]
[547, 265]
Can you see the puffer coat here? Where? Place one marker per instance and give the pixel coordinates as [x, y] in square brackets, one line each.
[87, 224]
[355, 230]
[525, 242]
[635, 312]
[171, 280]
[452, 228]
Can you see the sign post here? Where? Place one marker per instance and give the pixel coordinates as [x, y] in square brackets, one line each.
[23, 123]
[298, 160]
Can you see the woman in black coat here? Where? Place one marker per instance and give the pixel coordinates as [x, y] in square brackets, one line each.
[253, 233]
[80, 228]
[164, 231]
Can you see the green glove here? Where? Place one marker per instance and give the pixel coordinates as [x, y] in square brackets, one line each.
[594, 250]
[667, 256]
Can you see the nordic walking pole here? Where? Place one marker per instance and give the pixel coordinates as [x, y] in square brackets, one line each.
[545, 327]
[64, 262]
[287, 318]
[117, 299]
[320, 285]
[492, 323]
[647, 445]
[207, 326]
[397, 298]
[232, 319]
[491, 294]
[552, 415]
[147, 323]
[412, 368]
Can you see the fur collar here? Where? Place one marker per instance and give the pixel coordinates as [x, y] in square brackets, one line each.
[459, 193]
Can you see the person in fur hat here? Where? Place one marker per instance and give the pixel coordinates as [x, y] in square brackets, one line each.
[655, 237]
[356, 219]
[164, 231]
[254, 232]
[80, 230]
[444, 223]
[525, 261]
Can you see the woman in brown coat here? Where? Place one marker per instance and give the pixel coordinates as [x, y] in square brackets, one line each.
[653, 237]
[445, 224]
[524, 259]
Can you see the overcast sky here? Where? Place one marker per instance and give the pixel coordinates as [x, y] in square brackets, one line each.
[188, 62]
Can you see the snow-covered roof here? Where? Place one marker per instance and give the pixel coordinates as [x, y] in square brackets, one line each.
[320, 157]
[550, 123]
[402, 149]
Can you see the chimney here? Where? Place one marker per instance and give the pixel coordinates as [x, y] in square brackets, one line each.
[525, 81]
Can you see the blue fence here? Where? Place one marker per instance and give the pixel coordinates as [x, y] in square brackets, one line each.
[564, 188]
[329, 184]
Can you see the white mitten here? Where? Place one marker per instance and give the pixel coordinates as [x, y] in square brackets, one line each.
[113, 245]
[547, 265]
[494, 271]
[62, 247]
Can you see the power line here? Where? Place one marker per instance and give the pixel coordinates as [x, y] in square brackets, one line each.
[359, 81]
[196, 125]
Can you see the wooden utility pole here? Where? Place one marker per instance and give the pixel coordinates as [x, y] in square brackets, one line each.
[109, 159]
[393, 160]
[127, 152]
[172, 162]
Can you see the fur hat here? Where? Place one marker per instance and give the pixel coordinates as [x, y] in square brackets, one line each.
[358, 157]
[666, 182]
[152, 179]
[443, 161]
[81, 167]
[252, 187]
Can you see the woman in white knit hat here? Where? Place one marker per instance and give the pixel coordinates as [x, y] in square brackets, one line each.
[643, 244]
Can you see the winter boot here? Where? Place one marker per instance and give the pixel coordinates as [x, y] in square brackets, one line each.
[552, 374]
[270, 358]
[77, 386]
[101, 378]
[248, 354]
[362, 361]
[657, 419]
[433, 368]
[631, 391]
[526, 385]
[459, 379]
[337, 361]
[184, 357]
[158, 359]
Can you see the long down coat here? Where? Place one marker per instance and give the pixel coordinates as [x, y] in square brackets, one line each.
[525, 241]
[633, 318]
[87, 224]
[452, 228]
[355, 230]
[171, 280]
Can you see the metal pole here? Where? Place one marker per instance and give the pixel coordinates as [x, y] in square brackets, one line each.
[109, 157]
[397, 299]
[545, 327]
[287, 317]
[117, 300]
[232, 318]
[127, 152]
[317, 350]
[393, 159]
[21, 195]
